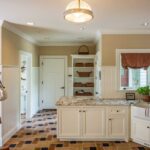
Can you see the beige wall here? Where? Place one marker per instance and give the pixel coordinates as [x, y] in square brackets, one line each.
[63, 50]
[112, 42]
[12, 44]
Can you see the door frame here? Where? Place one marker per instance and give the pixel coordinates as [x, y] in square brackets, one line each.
[65, 71]
[29, 55]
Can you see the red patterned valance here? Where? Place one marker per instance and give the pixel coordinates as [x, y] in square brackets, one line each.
[135, 60]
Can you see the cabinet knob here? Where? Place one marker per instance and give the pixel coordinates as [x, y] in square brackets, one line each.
[80, 110]
[63, 87]
[117, 110]
[109, 119]
[148, 127]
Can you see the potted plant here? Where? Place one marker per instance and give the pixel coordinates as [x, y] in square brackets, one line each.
[145, 92]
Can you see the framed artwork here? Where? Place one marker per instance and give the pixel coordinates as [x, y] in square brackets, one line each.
[130, 96]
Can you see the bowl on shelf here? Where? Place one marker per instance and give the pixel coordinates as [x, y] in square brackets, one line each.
[84, 74]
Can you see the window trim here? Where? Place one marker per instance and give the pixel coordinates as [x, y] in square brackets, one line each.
[118, 63]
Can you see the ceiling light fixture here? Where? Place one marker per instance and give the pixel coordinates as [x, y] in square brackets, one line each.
[78, 11]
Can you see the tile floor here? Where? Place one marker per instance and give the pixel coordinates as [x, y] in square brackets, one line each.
[39, 133]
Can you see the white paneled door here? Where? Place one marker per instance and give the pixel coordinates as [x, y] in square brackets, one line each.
[52, 81]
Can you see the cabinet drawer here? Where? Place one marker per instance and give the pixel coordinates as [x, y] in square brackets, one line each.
[116, 110]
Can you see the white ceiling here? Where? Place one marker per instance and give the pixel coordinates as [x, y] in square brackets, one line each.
[110, 16]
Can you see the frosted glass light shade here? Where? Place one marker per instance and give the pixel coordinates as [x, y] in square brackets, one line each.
[78, 12]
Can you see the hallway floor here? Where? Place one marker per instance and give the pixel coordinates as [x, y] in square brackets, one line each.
[40, 134]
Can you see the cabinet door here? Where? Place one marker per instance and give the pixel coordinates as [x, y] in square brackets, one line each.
[116, 126]
[141, 130]
[68, 122]
[94, 122]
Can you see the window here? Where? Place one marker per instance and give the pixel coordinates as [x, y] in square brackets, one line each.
[127, 77]
[134, 78]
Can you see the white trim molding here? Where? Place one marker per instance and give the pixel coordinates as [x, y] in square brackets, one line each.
[126, 32]
[27, 37]
[13, 29]
[65, 43]
[1, 22]
[9, 134]
[29, 107]
[118, 60]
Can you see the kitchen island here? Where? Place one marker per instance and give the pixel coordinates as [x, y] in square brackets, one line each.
[84, 118]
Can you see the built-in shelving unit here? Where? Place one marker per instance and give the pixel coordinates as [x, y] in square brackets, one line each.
[83, 71]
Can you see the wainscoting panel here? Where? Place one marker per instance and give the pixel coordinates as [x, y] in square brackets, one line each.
[10, 107]
[109, 83]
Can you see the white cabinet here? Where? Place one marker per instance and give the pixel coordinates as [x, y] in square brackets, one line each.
[116, 126]
[69, 120]
[117, 122]
[140, 126]
[93, 123]
[141, 130]
[81, 122]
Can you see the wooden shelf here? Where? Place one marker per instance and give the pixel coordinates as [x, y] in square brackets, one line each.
[83, 59]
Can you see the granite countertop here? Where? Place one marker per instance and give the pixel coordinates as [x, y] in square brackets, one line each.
[93, 101]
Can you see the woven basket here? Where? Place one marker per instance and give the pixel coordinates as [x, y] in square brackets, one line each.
[79, 65]
[78, 84]
[89, 65]
[83, 50]
[89, 84]
[84, 94]
[84, 74]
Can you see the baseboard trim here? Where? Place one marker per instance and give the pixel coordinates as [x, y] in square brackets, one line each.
[9, 134]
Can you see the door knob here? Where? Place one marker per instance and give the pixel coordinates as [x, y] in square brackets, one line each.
[63, 87]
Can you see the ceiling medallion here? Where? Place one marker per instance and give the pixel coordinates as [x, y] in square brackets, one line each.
[78, 11]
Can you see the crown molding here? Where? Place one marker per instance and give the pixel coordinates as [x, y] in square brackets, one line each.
[65, 43]
[142, 31]
[19, 33]
[30, 39]
[1, 22]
